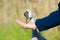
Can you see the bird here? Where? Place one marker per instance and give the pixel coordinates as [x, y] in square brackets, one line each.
[35, 34]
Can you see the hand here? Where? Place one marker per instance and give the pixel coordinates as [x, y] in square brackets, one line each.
[26, 26]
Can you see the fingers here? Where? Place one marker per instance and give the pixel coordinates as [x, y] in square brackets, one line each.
[21, 23]
[26, 26]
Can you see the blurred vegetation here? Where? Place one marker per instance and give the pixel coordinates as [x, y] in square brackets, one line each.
[10, 10]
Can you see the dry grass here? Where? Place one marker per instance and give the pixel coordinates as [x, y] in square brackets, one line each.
[10, 10]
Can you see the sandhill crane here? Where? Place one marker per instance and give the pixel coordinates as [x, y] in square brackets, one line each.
[35, 34]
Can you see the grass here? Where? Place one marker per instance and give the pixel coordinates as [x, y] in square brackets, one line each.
[10, 30]
[14, 32]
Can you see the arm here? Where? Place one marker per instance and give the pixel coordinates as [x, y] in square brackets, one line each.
[42, 24]
[48, 22]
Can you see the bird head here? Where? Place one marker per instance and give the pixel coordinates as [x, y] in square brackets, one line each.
[28, 14]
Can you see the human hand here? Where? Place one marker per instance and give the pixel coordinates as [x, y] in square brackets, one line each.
[29, 25]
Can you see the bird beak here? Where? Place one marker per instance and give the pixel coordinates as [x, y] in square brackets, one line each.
[26, 19]
[26, 15]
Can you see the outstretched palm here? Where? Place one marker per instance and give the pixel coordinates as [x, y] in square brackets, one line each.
[29, 25]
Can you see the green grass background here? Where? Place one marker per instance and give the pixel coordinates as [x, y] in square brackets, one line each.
[10, 10]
